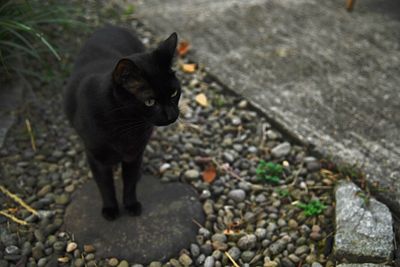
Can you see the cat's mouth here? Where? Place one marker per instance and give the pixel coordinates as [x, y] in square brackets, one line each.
[165, 122]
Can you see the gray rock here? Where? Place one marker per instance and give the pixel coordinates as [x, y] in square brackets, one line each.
[191, 174]
[247, 255]
[170, 204]
[247, 242]
[194, 250]
[285, 262]
[361, 265]
[209, 262]
[317, 264]
[238, 195]
[302, 250]
[228, 157]
[363, 226]
[260, 233]
[219, 237]
[281, 150]
[234, 252]
[155, 264]
[12, 250]
[276, 247]
[79, 262]
[42, 262]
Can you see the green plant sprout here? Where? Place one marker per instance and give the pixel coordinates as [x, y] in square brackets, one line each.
[282, 192]
[270, 172]
[312, 208]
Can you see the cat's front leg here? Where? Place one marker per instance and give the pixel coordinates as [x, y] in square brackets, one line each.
[131, 175]
[103, 175]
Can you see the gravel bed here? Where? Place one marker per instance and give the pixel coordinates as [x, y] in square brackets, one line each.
[254, 222]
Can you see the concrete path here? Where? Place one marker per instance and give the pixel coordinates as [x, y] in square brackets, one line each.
[330, 77]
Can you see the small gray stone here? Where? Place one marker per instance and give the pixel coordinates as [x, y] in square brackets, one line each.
[59, 246]
[238, 195]
[42, 262]
[247, 242]
[281, 150]
[219, 237]
[362, 265]
[302, 250]
[285, 262]
[192, 174]
[247, 255]
[204, 232]
[317, 264]
[276, 247]
[194, 250]
[79, 262]
[228, 157]
[12, 250]
[363, 230]
[234, 252]
[209, 261]
[260, 233]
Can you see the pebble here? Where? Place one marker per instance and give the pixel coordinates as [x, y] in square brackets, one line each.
[234, 252]
[155, 264]
[285, 262]
[247, 255]
[316, 264]
[89, 248]
[44, 190]
[194, 250]
[123, 263]
[185, 260]
[62, 199]
[302, 250]
[209, 262]
[79, 262]
[238, 195]
[260, 233]
[42, 262]
[191, 175]
[71, 247]
[59, 246]
[293, 224]
[281, 150]
[113, 262]
[228, 157]
[219, 237]
[12, 250]
[247, 242]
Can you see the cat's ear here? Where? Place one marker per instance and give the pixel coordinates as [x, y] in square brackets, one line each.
[166, 50]
[125, 69]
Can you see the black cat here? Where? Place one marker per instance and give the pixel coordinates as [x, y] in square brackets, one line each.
[115, 95]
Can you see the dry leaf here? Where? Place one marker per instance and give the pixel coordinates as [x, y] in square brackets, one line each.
[183, 48]
[189, 68]
[202, 99]
[209, 174]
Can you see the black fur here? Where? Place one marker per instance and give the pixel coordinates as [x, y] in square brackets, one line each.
[115, 95]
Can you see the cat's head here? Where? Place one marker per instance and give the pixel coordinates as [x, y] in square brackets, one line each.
[147, 82]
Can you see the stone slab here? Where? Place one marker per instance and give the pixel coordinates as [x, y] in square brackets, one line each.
[362, 265]
[329, 77]
[164, 228]
[364, 231]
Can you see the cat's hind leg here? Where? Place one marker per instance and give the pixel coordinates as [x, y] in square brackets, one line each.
[103, 175]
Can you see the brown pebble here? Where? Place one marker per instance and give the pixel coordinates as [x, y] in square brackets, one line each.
[293, 224]
[71, 247]
[89, 248]
[315, 228]
[315, 236]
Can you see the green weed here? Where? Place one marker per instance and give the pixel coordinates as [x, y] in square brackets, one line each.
[312, 208]
[269, 171]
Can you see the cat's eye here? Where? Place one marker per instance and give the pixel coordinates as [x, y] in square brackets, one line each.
[174, 93]
[150, 102]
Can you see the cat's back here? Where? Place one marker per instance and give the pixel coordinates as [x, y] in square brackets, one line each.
[109, 43]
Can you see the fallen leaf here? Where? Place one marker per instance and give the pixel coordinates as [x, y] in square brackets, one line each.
[183, 48]
[189, 68]
[209, 174]
[201, 99]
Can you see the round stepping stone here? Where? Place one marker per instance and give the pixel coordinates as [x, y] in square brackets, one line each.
[159, 233]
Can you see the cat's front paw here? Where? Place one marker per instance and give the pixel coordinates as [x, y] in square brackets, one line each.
[134, 209]
[110, 214]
